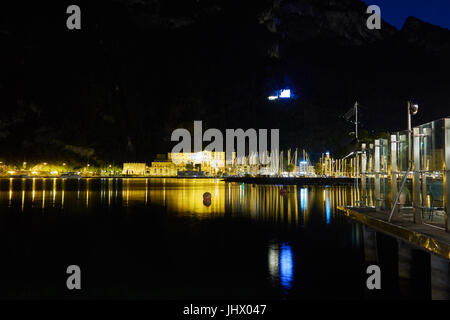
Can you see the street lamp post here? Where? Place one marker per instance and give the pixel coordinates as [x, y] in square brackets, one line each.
[412, 110]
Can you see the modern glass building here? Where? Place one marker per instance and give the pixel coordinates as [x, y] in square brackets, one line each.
[418, 189]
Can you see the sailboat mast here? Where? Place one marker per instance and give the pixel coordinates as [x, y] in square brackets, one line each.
[356, 120]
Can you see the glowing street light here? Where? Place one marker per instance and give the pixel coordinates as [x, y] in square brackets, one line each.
[413, 109]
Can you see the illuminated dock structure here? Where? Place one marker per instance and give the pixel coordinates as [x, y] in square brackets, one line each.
[424, 196]
[403, 190]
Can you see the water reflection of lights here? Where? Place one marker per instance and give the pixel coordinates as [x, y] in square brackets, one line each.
[110, 191]
[183, 196]
[23, 199]
[43, 194]
[33, 190]
[62, 193]
[87, 193]
[54, 191]
[273, 261]
[286, 266]
[281, 264]
[10, 192]
[328, 207]
[303, 199]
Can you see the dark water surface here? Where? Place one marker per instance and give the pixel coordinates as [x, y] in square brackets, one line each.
[156, 238]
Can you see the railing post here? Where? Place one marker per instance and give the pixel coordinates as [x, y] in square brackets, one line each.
[394, 169]
[363, 175]
[447, 174]
[377, 175]
[417, 210]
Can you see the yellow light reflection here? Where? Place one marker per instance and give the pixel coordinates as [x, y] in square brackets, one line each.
[63, 188]
[54, 191]
[33, 190]
[87, 193]
[10, 192]
[186, 197]
[43, 193]
[109, 192]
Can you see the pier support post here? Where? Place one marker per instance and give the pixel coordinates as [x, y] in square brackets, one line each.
[370, 244]
[405, 260]
[440, 278]
[413, 271]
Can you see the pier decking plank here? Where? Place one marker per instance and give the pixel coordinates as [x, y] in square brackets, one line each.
[426, 237]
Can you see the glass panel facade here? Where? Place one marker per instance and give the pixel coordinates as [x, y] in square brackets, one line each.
[384, 163]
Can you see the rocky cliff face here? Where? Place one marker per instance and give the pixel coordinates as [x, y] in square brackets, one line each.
[424, 36]
[140, 68]
[343, 22]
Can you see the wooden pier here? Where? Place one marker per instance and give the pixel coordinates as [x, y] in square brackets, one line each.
[412, 238]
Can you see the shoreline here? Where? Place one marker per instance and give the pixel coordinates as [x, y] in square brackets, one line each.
[250, 180]
[292, 181]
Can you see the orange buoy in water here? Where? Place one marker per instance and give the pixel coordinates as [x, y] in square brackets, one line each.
[207, 196]
[207, 199]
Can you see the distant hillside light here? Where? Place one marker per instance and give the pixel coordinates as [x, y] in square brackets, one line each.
[281, 94]
[285, 93]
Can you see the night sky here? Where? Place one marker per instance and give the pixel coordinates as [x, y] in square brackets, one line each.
[395, 12]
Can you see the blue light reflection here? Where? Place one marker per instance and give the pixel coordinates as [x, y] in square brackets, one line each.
[286, 266]
[328, 207]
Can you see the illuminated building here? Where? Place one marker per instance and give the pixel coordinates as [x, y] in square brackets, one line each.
[136, 169]
[162, 169]
[211, 163]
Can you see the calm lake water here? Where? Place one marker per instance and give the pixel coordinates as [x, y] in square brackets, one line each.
[158, 239]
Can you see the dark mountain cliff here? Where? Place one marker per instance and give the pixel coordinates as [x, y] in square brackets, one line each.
[426, 37]
[343, 22]
[139, 69]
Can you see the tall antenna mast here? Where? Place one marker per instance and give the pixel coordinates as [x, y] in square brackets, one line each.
[356, 120]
